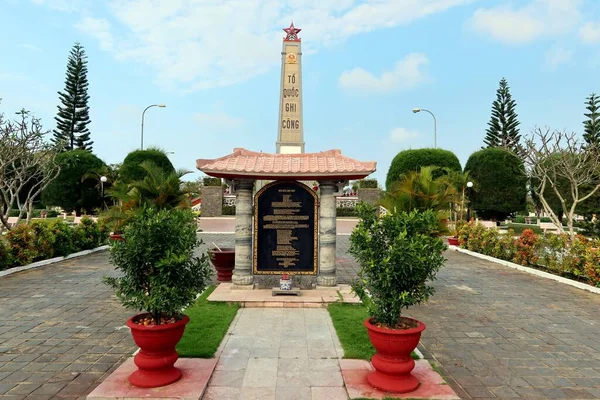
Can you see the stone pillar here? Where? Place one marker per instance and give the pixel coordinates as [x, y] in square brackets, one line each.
[327, 231]
[243, 277]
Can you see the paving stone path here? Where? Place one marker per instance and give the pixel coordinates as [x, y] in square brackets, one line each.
[61, 331]
[279, 354]
[494, 332]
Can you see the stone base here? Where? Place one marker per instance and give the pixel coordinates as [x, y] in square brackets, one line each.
[242, 287]
[290, 292]
[196, 374]
[326, 281]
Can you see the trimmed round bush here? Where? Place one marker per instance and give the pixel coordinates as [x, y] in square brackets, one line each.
[413, 160]
[131, 171]
[501, 183]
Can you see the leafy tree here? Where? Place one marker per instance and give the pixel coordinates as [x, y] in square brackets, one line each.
[73, 116]
[591, 125]
[502, 129]
[131, 169]
[412, 160]
[27, 165]
[555, 157]
[68, 190]
[193, 188]
[501, 183]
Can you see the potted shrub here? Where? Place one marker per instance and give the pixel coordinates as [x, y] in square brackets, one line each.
[223, 259]
[160, 277]
[398, 254]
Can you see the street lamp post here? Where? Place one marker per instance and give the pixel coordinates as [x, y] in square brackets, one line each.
[416, 110]
[143, 113]
[469, 187]
[103, 180]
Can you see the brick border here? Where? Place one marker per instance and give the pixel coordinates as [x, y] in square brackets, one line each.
[532, 271]
[42, 263]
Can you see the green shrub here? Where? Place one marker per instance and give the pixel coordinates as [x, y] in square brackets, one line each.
[51, 214]
[86, 235]
[368, 184]
[22, 242]
[398, 255]
[209, 181]
[228, 210]
[592, 264]
[131, 170]
[501, 183]
[160, 273]
[6, 260]
[44, 240]
[526, 253]
[63, 233]
[346, 212]
[412, 160]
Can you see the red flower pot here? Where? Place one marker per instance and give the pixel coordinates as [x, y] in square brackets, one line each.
[157, 354]
[224, 262]
[392, 362]
[116, 236]
[452, 241]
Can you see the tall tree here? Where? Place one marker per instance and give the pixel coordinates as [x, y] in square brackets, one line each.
[591, 125]
[73, 115]
[503, 128]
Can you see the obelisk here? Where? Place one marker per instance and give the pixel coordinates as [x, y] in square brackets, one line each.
[290, 135]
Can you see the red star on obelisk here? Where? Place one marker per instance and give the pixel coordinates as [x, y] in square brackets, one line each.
[292, 33]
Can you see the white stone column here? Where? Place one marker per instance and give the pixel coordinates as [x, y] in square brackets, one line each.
[243, 277]
[327, 231]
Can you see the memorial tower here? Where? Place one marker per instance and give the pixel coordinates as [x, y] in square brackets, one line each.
[290, 134]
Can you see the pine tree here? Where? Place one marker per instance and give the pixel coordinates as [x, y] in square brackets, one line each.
[73, 115]
[591, 125]
[502, 130]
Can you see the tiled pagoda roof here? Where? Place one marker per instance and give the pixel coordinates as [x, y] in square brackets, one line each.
[248, 164]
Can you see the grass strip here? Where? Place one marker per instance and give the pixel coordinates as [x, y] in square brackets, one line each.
[348, 320]
[209, 322]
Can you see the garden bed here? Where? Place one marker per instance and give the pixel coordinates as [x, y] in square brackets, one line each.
[209, 322]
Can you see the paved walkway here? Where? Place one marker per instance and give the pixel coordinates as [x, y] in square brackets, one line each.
[496, 332]
[501, 333]
[279, 354]
[61, 331]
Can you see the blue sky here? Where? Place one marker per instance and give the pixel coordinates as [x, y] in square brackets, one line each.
[366, 64]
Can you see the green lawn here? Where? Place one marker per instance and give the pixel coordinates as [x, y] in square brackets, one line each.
[208, 325]
[348, 320]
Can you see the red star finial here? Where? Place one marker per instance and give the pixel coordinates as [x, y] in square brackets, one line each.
[292, 33]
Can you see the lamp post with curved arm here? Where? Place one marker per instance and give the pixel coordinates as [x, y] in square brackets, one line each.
[416, 110]
[143, 113]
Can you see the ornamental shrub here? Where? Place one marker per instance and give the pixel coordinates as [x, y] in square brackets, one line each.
[6, 260]
[346, 212]
[412, 160]
[368, 184]
[592, 264]
[86, 235]
[22, 243]
[228, 210]
[63, 233]
[398, 254]
[526, 248]
[161, 275]
[501, 183]
[131, 170]
[209, 181]
[44, 240]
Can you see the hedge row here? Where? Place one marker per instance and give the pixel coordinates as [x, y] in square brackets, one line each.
[228, 210]
[36, 213]
[578, 260]
[42, 240]
[346, 212]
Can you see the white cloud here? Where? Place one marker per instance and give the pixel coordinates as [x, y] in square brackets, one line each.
[399, 135]
[406, 74]
[218, 120]
[557, 56]
[193, 45]
[538, 18]
[98, 28]
[590, 32]
[32, 47]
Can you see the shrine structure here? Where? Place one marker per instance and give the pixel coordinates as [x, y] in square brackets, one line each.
[287, 227]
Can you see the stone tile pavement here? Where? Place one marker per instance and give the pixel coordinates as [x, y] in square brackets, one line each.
[61, 330]
[494, 332]
[279, 354]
